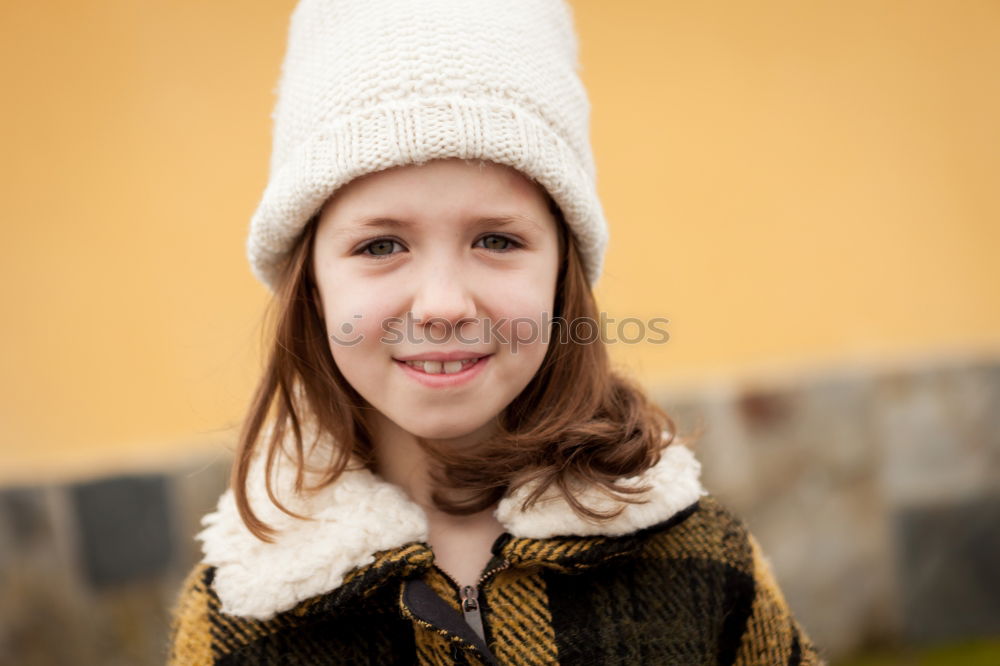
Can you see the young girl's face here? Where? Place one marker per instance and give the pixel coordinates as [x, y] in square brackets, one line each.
[444, 263]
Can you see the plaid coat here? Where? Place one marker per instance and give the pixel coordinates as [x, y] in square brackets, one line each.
[678, 580]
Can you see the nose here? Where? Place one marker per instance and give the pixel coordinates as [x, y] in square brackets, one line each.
[442, 302]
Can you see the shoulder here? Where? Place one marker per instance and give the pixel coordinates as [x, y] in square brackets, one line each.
[191, 622]
[200, 633]
[710, 549]
[707, 530]
[705, 550]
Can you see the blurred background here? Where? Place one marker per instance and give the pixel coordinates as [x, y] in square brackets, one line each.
[809, 192]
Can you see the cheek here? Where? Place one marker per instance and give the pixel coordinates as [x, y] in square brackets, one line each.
[354, 311]
[354, 339]
[522, 324]
[523, 302]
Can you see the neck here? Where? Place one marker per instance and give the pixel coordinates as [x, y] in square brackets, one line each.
[400, 460]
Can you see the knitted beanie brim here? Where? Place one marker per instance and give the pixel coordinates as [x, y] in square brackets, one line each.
[345, 148]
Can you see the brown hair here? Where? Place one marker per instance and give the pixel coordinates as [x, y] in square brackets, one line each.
[577, 420]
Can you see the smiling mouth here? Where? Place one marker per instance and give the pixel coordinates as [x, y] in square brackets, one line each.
[442, 367]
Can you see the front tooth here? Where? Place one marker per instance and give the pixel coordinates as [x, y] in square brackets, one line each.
[432, 367]
[451, 367]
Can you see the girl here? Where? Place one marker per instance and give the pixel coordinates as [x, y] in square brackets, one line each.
[439, 465]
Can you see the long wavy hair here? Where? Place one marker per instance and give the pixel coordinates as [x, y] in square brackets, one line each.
[578, 421]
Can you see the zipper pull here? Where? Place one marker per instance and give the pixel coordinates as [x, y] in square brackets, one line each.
[470, 608]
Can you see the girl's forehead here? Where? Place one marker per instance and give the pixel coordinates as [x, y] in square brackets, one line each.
[441, 190]
[453, 175]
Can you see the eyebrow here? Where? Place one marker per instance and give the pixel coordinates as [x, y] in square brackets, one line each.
[493, 221]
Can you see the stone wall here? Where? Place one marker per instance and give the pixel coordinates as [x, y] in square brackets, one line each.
[875, 495]
[89, 570]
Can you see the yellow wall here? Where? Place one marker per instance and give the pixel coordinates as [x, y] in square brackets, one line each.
[792, 184]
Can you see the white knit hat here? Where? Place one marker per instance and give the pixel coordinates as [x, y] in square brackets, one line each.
[371, 84]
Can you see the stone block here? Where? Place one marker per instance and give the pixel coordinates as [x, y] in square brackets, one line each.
[196, 489]
[124, 528]
[947, 558]
[940, 429]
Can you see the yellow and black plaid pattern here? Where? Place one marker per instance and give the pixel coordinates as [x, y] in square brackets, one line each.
[694, 590]
[519, 618]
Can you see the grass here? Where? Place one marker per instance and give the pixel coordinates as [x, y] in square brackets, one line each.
[972, 653]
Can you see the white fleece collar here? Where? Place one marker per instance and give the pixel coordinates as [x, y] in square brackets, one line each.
[361, 514]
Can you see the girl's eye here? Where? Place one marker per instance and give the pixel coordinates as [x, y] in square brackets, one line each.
[381, 247]
[498, 243]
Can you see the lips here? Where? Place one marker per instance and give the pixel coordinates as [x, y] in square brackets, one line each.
[443, 374]
[443, 356]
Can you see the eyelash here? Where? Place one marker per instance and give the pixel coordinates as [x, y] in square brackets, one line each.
[513, 245]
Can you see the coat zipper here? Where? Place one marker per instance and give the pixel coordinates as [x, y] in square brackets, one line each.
[470, 609]
[468, 597]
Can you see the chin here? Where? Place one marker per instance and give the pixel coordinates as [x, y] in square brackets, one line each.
[446, 428]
